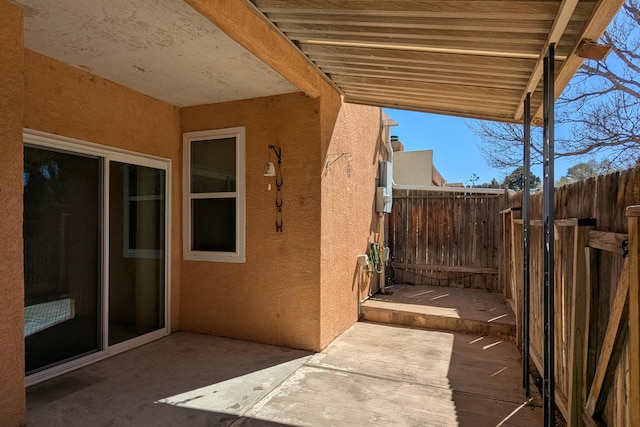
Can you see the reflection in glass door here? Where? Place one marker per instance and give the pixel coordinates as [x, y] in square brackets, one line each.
[95, 254]
[136, 252]
[62, 194]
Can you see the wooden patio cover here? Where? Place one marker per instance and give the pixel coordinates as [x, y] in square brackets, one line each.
[467, 58]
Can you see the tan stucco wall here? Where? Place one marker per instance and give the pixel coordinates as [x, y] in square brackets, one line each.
[348, 214]
[297, 288]
[413, 167]
[274, 297]
[12, 397]
[67, 101]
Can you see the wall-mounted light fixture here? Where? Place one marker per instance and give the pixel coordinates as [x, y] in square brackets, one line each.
[269, 169]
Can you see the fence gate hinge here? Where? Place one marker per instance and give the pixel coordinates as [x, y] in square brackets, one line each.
[625, 248]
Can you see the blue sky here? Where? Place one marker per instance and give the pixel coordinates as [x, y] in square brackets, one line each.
[455, 146]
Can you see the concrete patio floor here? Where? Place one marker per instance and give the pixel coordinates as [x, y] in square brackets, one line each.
[372, 375]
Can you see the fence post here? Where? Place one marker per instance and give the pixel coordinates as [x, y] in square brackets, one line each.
[515, 278]
[633, 213]
[579, 324]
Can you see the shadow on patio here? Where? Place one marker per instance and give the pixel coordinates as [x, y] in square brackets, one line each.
[371, 375]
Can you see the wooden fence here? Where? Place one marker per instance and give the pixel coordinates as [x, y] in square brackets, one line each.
[596, 316]
[446, 238]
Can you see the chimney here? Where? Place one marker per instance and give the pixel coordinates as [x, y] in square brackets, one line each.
[396, 145]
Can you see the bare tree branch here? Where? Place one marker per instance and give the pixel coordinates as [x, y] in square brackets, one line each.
[599, 111]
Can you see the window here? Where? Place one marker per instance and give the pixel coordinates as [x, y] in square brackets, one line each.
[214, 195]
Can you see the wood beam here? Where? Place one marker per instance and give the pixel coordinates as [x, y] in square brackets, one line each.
[433, 78]
[447, 107]
[390, 55]
[496, 9]
[560, 24]
[410, 22]
[446, 268]
[420, 107]
[454, 70]
[248, 27]
[447, 88]
[429, 97]
[291, 28]
[610, 242]
[601, 16]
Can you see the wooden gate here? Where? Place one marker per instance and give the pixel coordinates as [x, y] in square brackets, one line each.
[446, 238]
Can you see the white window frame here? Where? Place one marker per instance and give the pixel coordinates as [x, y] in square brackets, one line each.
[240, 195]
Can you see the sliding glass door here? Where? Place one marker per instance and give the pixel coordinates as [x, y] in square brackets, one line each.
[95, 253]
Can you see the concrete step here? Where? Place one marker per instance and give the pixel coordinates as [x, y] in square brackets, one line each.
[434, 307]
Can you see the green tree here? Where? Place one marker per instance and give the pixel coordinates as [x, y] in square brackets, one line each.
[515, 180]
[585, 170]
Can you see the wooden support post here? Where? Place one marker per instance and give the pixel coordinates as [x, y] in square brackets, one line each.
[633, 213]
[515, 279]
[506, 253]
[579, 322]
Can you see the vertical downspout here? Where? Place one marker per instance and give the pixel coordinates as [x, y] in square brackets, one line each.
[526, 216]
[549, 243]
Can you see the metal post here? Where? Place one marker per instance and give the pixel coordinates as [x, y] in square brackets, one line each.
[526, 216]
[549, 246]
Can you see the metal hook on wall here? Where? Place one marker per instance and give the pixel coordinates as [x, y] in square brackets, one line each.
[278, 152]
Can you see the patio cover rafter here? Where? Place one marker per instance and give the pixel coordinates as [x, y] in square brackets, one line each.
[377, 51]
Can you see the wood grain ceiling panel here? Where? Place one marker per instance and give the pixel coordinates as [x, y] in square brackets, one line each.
[471, 58]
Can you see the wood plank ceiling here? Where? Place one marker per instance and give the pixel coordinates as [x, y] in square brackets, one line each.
[467, 58]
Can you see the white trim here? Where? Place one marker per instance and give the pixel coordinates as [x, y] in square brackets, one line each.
[239, 133]
[106, 155]
[437, 189]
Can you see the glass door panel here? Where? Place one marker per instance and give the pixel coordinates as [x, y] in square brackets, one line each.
[62, 217]
[137, 252]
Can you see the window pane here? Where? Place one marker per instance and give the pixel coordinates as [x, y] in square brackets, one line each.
[145, 218]
[214, 225]
[61, 257]
[144, 181]
[136, 251]
[213, 165]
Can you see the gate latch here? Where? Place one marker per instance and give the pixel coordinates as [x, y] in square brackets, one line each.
[625, 248]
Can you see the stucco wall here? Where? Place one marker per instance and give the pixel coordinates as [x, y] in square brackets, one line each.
[67, 101]
[274, 297]
[413, 167]
[12, 397]
[348, 214]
